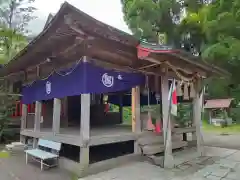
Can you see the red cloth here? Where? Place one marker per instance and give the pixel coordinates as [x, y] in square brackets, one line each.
[150, 125]
[158, 128]
[174, 100]
[107, 107]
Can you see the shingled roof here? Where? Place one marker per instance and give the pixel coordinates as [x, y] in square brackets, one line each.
[58, 36]
[218, 103]
[56, 26]
[185, 56]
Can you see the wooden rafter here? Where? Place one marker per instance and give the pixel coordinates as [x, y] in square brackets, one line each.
[101, 42]
[148, 66]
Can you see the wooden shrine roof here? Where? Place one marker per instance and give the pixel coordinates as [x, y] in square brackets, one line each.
[67, 33]
[71, 34]
[177, 59]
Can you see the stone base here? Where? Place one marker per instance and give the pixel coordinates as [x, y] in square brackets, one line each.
[156, 160]
[168, 162]
[159, 161]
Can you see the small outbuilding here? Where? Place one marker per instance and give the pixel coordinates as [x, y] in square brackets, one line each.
[219, 110]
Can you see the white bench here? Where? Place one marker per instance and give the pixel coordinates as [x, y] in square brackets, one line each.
[41, 154]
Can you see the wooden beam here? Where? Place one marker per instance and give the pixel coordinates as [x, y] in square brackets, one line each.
[38, 113]
[10, 94]
[138, 123]
[148, 66]
[205, 67]
[128, 52]
[133, 109]
[37, 119]
[167, 134]
[121, 106]
[65, 111]
[156, 68]
[56, 115]
[24, 117]
[23, 122]
[108, 55]
[187, 67]
[197, 116]
[138, 109]
[88, 27]
[85, 129]
[43, 49]
[164, 63]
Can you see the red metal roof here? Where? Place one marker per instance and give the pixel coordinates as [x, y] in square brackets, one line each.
[217, 103]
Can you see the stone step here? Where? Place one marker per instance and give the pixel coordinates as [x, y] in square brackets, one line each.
[15, 146]
[153, 138]
[159, 148]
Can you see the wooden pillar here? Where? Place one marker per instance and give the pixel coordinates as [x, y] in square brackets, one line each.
[133, 109]
[85, 129]
[56, 115]
[197, 109]
[37, 119]
[167, 134]
[136, 112]
[194, 135]
[65, 111]
[210, 116]
[38, 113]
[23, 122]
[121, 107]
[158, 91]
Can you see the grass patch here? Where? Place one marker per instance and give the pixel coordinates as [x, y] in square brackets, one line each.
[74, 176]
[235, 128]
[4, 154]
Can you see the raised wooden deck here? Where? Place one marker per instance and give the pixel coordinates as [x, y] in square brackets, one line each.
[98, 136]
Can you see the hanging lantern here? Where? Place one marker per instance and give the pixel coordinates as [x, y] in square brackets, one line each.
[192, 90]
[179, 89]
[185, 93]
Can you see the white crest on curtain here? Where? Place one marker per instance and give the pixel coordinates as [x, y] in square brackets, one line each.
[107, 80]
[48, 87]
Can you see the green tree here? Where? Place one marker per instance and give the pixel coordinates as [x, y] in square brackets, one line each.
[222, 33]
[6, 107]
[14, 18]
[16, 14]
[184, 115]
[206, 28]
[11, 43]
[149, 19]
[221, 29]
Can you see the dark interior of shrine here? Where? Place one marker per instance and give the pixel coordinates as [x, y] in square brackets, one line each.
[100, 152]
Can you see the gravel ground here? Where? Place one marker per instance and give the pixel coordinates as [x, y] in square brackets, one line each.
[231, 141]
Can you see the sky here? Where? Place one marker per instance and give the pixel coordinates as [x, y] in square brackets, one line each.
[107, 11]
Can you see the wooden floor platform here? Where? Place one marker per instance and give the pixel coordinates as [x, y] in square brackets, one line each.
[98, 136]
[102, 135]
